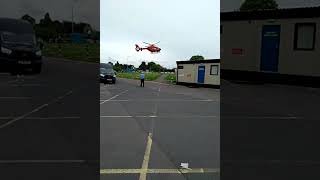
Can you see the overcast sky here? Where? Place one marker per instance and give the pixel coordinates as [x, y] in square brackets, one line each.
[184, 28]
[84, 10]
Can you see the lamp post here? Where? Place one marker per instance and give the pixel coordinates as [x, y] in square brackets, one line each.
[72, 28]
[74, 3]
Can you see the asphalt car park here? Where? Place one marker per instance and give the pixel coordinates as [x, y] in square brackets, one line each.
[267, 130]
[146, 133]
[45, 122]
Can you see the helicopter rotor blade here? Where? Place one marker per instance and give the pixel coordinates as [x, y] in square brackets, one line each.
[157, 42]
[147, 43]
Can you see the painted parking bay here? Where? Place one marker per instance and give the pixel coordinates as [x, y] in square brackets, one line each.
[146, 133]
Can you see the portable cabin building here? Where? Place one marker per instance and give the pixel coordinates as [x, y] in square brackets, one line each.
[200, 73]
[278, 42]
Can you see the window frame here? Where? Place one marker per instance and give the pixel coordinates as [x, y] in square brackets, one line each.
[180, 67]
[297, 25]
[211, 67]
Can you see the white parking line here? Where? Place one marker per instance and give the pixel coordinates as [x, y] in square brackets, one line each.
[35, 110]
[146, 158]
[116, 116]
[40, 118]
[114, 97]
[15, 98]
[121, 100]
[23, 116]
[40, 161]
[161, 100]
[155, 116]
[263, 117]
[145, 167]
[26, 85]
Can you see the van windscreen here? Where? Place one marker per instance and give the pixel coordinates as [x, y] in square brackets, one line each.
[15, 26]
[16, 31]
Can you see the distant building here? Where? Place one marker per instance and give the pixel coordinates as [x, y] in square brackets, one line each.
[129, 68]
[78, 38]
[200, 73]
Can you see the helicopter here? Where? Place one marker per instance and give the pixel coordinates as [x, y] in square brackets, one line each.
[151, 47]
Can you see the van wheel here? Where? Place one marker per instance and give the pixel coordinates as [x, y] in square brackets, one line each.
[14, 70]
[37, 69]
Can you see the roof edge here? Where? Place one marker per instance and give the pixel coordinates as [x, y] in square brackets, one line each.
[303, 12]
[199, 61]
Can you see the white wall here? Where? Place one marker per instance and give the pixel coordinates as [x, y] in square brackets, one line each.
[249, 38]
[189, 74]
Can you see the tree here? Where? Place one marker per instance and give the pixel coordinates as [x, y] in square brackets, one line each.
[28, 18]
[152, 66]
[143, 66]
[258, 5]
[196, 58]
[46, 20]
[118, 67]
[46, 29]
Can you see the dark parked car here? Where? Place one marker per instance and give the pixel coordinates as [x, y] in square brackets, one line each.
[107, 76]
[18, 46]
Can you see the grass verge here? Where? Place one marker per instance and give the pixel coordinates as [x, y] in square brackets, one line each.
[72, 51]
[171, 78]
[135, 75]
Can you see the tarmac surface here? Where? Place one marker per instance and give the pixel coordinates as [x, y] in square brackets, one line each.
[48, 129]
[146, 133]
[47, 124]
[269, 131]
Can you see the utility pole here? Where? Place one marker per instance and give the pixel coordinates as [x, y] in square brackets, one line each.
[72, 19]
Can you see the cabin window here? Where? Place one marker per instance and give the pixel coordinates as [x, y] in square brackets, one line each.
[214, 70]
[304, 36]
[180, 67]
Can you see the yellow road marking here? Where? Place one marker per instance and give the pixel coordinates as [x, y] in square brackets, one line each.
[159, 171]
[120, 171]
[146, 158]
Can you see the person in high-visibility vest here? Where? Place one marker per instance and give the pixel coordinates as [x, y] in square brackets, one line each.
[142, 79]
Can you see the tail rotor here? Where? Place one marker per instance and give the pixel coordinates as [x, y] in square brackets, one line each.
[138, 48]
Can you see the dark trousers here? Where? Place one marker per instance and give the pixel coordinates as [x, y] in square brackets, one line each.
[142, 83]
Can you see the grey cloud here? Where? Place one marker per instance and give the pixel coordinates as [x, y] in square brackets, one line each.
[85, 10]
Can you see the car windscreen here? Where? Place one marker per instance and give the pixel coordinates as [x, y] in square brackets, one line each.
[106, 66]
[15, 31]
[106, 71]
